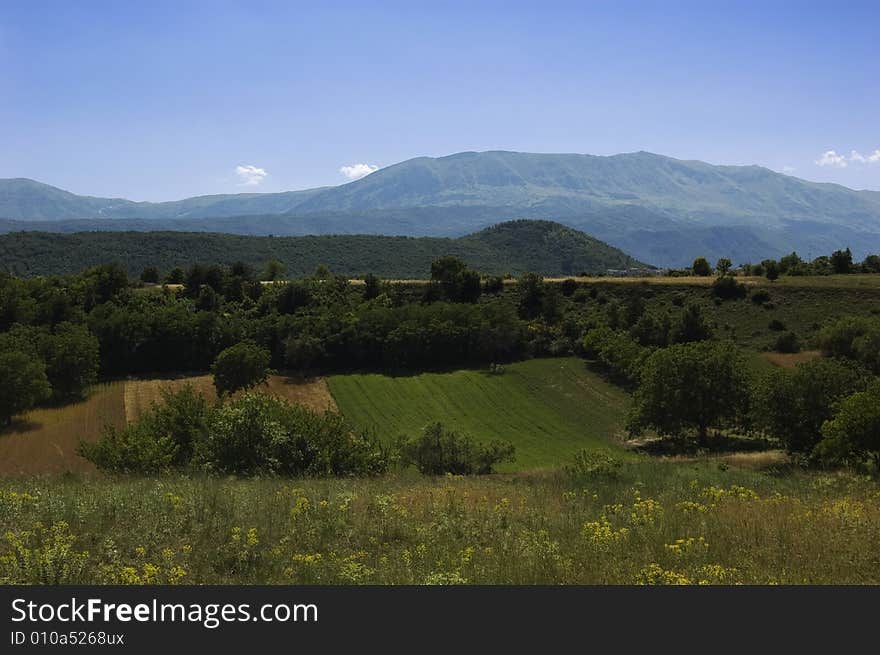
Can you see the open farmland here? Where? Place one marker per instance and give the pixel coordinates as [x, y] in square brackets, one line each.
[548, 408]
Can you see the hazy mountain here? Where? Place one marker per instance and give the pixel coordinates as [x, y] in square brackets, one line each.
[513, 247]
[662, 210]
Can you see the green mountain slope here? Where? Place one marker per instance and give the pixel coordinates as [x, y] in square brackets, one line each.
[662, 210]
[514, 247]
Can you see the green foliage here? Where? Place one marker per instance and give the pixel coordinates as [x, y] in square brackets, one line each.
[727, 288]
[71, 354]
[24, 384]
[455, 281]
[723, 266]
[594, 464]
[792, 405]
[258, 433]
[698, 385]
[853, 434]
[150, 275]
[372, 286]
[842, 261]
[787, 342]
[515, 246]
[692, 326]
[616, 353]
[437, 451]
[853, 337]
[274, 271]
[701, 267]
[242, 366]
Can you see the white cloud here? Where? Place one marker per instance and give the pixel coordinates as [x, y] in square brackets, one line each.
[831, 158]
[250, 175]
[357, 171]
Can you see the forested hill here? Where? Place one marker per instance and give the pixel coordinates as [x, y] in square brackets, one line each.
[512, 247]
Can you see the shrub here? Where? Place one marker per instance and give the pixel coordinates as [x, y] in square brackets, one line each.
[760, 297]
[23, 385]
[438, 451]
[776, 325]
[787, 343]
[692, 326]
[242, 366]
[615, 352]
[701, 267]
[568, 287]
[258, 433]
[727, 288]
[594, 464]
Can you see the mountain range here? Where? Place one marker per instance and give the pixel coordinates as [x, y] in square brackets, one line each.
[661, 210]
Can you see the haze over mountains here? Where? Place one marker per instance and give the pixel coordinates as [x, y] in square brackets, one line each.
[660, 210]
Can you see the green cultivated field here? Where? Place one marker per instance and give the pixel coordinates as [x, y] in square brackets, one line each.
[548, 408]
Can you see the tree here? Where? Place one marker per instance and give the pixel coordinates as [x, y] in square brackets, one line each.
[372, 286]
[150, 275]
[792, 405]
[438, 451]
[701, 267]
[723, 266]
[242, 366]
[457, 283]
[175, 276]
[24, 384]
[871, 264]
[771, 269]
[690, 386]
[72, 359]
[841, 261]
[691, 326]
[274, 271]
[854, 433]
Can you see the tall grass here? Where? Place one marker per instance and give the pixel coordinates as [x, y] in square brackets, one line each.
[649, 522]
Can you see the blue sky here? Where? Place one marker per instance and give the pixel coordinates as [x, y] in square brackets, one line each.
[157, 101]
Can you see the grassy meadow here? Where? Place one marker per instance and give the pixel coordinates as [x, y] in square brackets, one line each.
[548, 408]
[653, 522]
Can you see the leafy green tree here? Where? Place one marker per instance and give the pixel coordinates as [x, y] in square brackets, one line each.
[842, 261]
[701, 267]
[691, 326]
[871, 264]
[438, 451]
[175, 276]
[690, 386]
[24, 384]
[372, 287]
[771, 269]
[72, 359]
[242, 366]
[150, 275]
[457, 283]
[723, 266]
[274, 271]
[853, 434]
[792, 405]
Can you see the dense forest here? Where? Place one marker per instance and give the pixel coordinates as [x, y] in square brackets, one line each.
[513, 247]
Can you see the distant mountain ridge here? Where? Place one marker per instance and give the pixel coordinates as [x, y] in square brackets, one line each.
[662, 210]
[513, 247]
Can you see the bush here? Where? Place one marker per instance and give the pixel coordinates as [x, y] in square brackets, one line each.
[258, 433]
[242, 366]
[776, 325]
[727, 288]
[616, 353]
[787, 343]
[438, 451]
[760, 297]
[23, 385]
[701, 267]
[568, 287]
[593, 464]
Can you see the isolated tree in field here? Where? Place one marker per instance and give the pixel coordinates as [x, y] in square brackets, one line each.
[841, 261]
[24, 384]
[701, 267]
[723, 266]
[871, 264]
[274, 271]
[853, 435]
[694, 386]
[792, 404]
[242, 366]
[771, 269]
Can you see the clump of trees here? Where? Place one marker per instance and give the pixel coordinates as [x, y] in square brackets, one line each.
[438, 451]
[254, 434]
